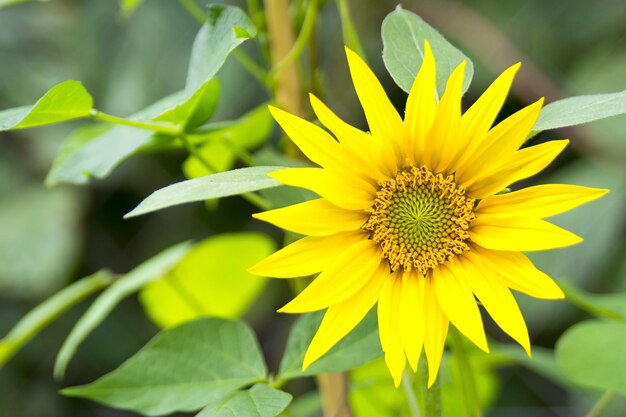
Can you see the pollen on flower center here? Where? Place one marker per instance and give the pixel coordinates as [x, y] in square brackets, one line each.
[420, 219]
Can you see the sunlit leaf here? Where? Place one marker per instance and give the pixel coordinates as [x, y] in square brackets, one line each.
[66, 101]
[357, 348]
[196, 110]
[106, 302]
[219, 185]
[258, 401]
[211, 280]
[592, 353]
[181, 369]
[403, 34]
[128, 7]
[581, 109]
[48, 311]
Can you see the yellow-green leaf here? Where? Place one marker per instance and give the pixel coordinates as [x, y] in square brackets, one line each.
[212, 280]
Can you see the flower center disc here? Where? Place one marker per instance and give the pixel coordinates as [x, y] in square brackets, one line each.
[420, 219]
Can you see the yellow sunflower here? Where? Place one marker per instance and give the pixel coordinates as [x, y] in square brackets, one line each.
[411, 217]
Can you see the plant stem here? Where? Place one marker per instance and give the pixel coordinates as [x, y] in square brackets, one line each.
[432, 395]
[166, 128]
[407, 385]
[466, 373]
[252, 198]
[301, 41]
[599, 407]
[350, 35]
[194, 10]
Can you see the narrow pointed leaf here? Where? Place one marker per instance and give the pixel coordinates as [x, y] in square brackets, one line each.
[219, 185]
[48, 311]
[581, 109]
[106, 302]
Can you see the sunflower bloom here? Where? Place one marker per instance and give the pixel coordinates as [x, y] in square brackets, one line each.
[411, 217]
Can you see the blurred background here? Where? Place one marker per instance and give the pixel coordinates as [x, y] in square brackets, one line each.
[51, 237]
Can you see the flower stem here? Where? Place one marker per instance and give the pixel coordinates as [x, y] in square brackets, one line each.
[350, 35]
[466, 373]
[407, 385]
[166, 128]
[599, 407]
[194, 10]
[301, 41]
[432, 395]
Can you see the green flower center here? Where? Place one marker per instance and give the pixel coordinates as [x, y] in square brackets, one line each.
[420, 219]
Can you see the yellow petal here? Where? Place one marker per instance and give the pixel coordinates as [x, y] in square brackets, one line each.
[523, 164]
[341, 318]
[411, 316]
[306, 256]
[389, 326]
[336, 189]
[314, 217]
[477, 120]
[519, 234]
[516, 271]
[442, 145]
[539, 201]
[343, 278]
[312, 140]
[502, 141]
[421, 106]
[498, 301]
[458, 303]
[383, 119]
[436, 331]
[377, 163]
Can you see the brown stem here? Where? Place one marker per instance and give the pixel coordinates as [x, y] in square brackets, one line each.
[334, 392]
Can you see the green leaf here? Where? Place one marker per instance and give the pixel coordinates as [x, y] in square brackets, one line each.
[403, 34]
[360, 346]
[95, 151]
[196, 288]
[128, 7]
[219, 185]
[106, 302]
[196, 110]
[66, 101]
[581, 109]
[220, 145]
[182, 369]
[591, 354]
[48, 311]
[258, 401]
[225, 29]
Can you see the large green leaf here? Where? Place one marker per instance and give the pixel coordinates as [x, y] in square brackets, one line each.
[204, 281]
[591, 354]
[225, 29]
[581, 109]
[196, 110]
[258, 401]
[219, 185]
[128, 284]
[48, 311]
[182, 369]
[357, 348]
[66, 101]
[403, 34]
